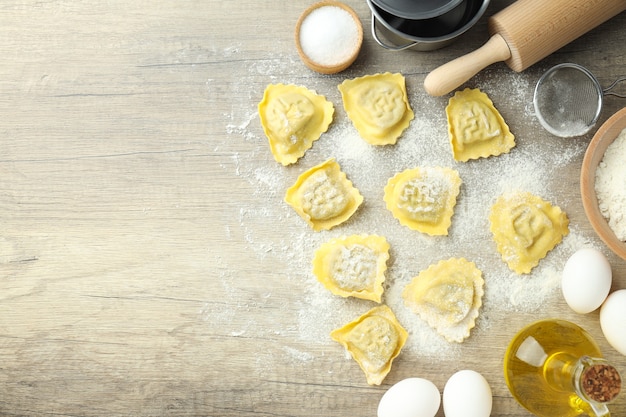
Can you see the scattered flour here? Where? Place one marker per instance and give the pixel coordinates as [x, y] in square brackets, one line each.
[425, 143]
[298, 354]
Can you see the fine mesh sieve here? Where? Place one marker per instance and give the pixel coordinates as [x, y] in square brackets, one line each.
[568, 100]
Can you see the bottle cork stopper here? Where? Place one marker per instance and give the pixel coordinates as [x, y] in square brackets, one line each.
[601, 383]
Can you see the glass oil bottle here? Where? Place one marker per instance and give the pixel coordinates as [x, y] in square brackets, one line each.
[554, 368]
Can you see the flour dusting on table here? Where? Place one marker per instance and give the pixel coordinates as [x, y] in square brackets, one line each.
[425, 143]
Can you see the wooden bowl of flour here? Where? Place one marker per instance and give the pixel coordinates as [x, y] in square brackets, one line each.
[602, 179]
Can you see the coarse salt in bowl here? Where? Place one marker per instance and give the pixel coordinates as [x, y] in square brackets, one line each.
[329, 36]
[594, 184]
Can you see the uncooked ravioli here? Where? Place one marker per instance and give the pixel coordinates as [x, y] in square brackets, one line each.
[293, 117]
[373, 340]
[476, 128]
[323, 196]
[353, 266]
[378, 106]
[448, 296]
[525, 228]
[423, 198]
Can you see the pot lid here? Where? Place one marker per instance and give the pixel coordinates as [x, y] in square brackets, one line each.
[417, 9]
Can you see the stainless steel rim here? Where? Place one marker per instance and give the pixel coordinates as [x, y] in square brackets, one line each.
[479, 13]
[415, 10]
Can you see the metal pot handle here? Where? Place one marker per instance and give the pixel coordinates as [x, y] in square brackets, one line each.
[383, 44]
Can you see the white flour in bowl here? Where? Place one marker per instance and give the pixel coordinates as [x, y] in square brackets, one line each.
[611, 185]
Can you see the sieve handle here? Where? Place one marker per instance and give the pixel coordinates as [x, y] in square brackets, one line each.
[607, 91]
[453, 74]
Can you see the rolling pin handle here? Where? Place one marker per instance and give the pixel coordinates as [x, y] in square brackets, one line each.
[453, 74]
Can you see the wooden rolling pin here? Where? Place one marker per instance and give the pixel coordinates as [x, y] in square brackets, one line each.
[522, 34]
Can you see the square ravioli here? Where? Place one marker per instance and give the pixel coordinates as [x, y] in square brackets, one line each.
[293, 117]
[476, 128]
[423, 198]
[353, 266]
[525, 228]
[323, 196]
[373, 340]
[448, 296]
[378, 106]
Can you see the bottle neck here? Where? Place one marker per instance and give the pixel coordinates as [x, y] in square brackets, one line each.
[594, 380]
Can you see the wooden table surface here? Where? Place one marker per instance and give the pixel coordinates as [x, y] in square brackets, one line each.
[148, 263]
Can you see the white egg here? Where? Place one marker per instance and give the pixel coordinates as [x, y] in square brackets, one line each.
[613, 320]
[467, 394]
[411, 397]
[586, 280]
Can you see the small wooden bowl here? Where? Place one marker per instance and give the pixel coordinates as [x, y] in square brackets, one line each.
[329, 69]
[607, 133]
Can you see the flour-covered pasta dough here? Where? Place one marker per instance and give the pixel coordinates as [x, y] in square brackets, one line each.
[323, 196]
[293, 117]
[353, 266]
[476, 128]
[525, 228]
[423, 198]
[448, 296]
[378, 106]
[373, 340]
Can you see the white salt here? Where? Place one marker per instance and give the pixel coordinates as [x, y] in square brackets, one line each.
[329, 35]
